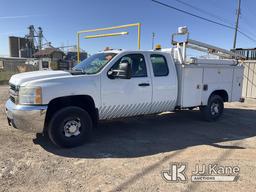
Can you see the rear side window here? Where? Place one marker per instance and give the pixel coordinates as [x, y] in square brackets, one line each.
[159, 63]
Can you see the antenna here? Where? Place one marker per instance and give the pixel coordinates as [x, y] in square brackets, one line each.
[153, 40]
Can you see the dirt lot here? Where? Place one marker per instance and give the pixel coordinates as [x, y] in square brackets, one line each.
[129, 155]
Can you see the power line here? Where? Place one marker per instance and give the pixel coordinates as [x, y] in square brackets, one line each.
[247, 26]
[250, 10]
[249, 29]
[203, 18]
[244, 34]
[246, 21]
[204, 12]
[213, 15]
[194, 15]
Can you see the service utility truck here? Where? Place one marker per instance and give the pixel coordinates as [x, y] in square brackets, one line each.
[111, 84]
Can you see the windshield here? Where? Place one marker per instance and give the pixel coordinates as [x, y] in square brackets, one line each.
[94, 63]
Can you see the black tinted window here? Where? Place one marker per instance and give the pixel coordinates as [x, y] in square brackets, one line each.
[159, 63]
[137, 62]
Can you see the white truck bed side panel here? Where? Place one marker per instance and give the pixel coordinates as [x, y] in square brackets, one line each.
[191, 86]
[218, 75]
[219, 78]
[237, 83]
[193, 78]
[213, 87]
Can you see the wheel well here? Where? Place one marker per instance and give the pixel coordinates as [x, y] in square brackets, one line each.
[222, 93]
[84, 101]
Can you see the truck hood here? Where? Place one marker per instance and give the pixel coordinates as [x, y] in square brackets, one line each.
[20, 78]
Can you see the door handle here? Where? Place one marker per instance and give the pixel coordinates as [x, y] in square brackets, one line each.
[144, 84]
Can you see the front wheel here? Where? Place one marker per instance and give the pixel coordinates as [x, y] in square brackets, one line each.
[214, 108]
[70, 127]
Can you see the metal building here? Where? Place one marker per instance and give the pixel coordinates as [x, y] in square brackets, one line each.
[17, 46]
[249, 83]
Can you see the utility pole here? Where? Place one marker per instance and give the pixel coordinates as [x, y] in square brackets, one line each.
[238, 12]
[153, 40]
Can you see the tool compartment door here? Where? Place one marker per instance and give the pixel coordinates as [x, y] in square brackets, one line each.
[191, 88]
[217, 78]
[237, 83]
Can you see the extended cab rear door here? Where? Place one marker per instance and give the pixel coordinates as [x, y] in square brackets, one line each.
[126, 97]
[164, 82]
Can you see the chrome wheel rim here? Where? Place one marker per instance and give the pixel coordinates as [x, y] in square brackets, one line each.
[215, 108]
[72, 128]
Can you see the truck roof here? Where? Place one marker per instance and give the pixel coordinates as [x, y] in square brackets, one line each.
[191, 60]
[141, 51]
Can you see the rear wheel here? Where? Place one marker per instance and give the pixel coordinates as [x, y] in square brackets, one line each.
[214, 108]
[70, 127]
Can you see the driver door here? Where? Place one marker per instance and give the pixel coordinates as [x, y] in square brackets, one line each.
[126, 97]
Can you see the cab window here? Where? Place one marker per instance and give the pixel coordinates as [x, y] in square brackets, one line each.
[159, 64]
[137, 62]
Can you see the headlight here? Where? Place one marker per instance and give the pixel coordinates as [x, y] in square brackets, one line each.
[30, 95]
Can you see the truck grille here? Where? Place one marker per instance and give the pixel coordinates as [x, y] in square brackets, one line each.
[12, 99]
[14, 91]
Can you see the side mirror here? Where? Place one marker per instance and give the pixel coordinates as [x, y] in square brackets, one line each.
[124, 71]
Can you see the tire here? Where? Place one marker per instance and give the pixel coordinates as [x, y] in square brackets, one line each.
[214, 108]
[70, 127]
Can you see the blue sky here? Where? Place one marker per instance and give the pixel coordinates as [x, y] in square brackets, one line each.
[61, 19]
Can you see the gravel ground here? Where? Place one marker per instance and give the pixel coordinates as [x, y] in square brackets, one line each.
[129, 155]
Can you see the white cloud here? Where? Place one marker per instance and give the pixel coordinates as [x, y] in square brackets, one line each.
[18, 16]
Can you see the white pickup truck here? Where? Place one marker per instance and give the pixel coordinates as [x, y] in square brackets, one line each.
[113, 84]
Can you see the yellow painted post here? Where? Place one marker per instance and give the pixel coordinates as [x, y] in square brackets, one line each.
[108, 28]
[139, 25]
[105, 35]
[78, 47]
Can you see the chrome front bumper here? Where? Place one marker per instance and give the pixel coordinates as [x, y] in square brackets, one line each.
[26, 117]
